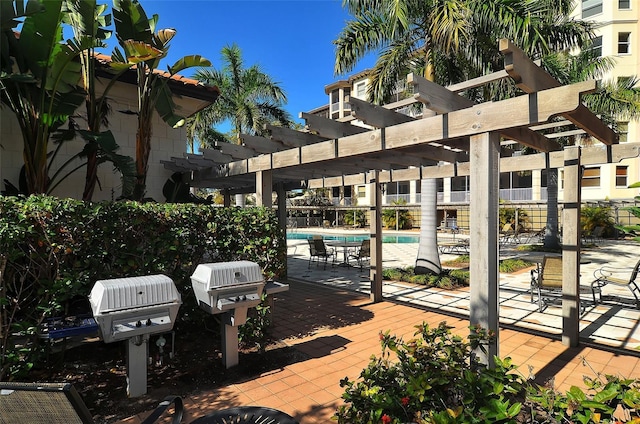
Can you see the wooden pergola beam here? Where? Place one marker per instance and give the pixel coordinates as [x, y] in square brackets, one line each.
[330, 128]
[293, 138]
[376, 116]
[530, 78]
[261, 144]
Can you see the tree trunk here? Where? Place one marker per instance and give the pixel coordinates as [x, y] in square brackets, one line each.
[551, 238]
[428, 261]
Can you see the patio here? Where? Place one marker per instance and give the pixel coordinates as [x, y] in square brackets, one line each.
[328, 317]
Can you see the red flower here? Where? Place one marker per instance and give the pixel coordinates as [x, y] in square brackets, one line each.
[386, 419]
[381, 335]
[405, 401]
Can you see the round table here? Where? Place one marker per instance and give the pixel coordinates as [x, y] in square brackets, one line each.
[345, 245]
[246, 415]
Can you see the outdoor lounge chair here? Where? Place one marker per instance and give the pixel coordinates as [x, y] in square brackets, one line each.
[617, 276]
[318, 250]
[594, 236]
[363, 253]
[546, 278]
[59, 403]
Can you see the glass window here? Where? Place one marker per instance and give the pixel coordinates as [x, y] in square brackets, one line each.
[591, 7]
[624, 4]
[596, 46]
[362, 191]
[621, 176]
[591, 177]
[361, 90]
[624, 40]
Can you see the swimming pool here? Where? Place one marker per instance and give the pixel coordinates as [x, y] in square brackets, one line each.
[385, 239]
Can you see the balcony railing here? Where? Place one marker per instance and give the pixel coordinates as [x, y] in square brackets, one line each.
[516, 194]
[398, 198]
[460, 196]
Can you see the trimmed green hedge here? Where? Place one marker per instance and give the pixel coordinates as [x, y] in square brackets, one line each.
[53, 250]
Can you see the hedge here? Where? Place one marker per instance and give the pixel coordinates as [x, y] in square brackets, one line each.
[53, 250]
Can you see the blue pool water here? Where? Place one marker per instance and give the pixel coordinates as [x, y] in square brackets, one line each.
[385, 239]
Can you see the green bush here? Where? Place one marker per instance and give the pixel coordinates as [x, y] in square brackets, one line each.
[53, 250]
[432, 378]
[596, 216]
[401, 217]
[435, 378]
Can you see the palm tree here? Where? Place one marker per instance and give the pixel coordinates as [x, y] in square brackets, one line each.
[144, 47]
[249, 98]
[447, 41]
[614, 101]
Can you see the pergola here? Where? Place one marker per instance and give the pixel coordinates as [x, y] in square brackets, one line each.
[461, 138]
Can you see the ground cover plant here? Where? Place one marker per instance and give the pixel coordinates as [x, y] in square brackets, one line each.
[435, 378]
[449, 278]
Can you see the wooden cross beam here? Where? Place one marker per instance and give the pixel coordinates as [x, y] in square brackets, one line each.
[217, 156]
[530, 78]
[376, 116]
[235, 150]
[442, 100]
[261, 144]
[330, 128]
[293, 138]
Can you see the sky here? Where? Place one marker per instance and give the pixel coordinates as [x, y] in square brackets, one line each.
[290, 40]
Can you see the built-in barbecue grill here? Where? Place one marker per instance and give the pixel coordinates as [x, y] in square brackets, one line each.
[230, 289]
[133, 309]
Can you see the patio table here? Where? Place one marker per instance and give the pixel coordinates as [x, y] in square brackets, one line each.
[345, 245]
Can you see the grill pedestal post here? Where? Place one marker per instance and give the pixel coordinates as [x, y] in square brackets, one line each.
[137, 354]
[229, 323]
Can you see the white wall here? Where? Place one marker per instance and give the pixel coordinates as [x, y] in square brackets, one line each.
[166, 142]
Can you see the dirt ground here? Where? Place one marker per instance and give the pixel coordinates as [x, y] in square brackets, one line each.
[98, 370]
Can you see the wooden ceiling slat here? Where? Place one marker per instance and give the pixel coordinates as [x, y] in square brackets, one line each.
[261, 144]
[330, 128]
[376, 116]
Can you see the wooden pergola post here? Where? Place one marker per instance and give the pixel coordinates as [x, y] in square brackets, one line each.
[375, 272]
[571, 247]
[264, 188]
[483, 222]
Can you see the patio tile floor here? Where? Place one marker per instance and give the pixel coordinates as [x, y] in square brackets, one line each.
[327, 316]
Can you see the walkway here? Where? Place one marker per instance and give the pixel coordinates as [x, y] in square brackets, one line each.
[328, 318]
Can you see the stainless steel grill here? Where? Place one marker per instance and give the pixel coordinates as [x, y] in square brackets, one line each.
[133, 309]
[228, 286]
[229, 289]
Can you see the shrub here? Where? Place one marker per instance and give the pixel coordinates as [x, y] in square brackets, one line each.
[400, 217]
[435, 378]
[596, 216]
[53, 251]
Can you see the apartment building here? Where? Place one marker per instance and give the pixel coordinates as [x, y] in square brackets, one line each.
[618, 29]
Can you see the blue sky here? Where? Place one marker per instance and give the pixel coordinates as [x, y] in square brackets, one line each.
[290, 40]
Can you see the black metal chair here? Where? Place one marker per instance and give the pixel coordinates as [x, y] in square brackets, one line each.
[318, 250]
[60, 403]
[363, 253]
[246, 415]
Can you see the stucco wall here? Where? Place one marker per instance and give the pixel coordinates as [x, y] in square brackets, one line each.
[166, 142]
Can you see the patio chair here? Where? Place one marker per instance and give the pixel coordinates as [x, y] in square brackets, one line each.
[248, 415]
[318, 250]
[547, 278]
[616, 276]
[363, 253]
[594, 236]
[59, 403]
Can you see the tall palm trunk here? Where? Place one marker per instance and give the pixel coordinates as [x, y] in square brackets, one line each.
[428, 261]
[551, 238]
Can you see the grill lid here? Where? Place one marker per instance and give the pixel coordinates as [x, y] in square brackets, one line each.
[128, 293]
[220, 274]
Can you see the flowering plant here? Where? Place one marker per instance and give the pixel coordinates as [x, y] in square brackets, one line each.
[435, 378]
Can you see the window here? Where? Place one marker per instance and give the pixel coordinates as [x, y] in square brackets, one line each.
[624, 39]
[591, 177]
[591, 7]
[621, 176]
[596, 46]
[361, 90]
[624, 4]
[362, 191]
[623, 131]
